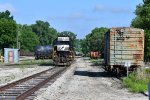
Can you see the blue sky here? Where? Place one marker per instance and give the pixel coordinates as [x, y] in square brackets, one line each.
[78, 16]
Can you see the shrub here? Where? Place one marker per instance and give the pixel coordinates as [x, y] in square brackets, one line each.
[137, 81]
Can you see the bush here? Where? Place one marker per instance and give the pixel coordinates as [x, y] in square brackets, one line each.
[137, 82]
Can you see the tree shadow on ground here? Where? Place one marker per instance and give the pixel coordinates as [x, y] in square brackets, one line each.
[93, 74]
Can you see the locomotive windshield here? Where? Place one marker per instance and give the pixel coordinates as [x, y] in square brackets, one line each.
[62, 41]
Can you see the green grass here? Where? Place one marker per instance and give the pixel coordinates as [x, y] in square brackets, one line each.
[34, 62]
[86, 58]
[147, 70]
[96, 62]
[137, 82]
[25, 63]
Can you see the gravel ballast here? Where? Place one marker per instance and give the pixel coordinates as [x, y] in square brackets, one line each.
[86, 82]
[9, 74]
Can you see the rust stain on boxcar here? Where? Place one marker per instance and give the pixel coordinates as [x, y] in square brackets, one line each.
[137, 56]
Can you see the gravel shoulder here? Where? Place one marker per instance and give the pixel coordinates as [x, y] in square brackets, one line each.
[9, 74]
[86, 82]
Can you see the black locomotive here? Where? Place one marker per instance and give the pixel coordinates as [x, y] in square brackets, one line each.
[63, 52]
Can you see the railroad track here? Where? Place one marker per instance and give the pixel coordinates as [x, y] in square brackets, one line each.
[24, 89]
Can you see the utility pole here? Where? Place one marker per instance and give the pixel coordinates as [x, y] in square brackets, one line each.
[18, 32]
[17, 36]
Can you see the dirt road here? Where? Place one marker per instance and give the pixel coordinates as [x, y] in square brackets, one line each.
[86, 82]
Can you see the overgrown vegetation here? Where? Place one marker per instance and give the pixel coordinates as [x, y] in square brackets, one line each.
[137, 81]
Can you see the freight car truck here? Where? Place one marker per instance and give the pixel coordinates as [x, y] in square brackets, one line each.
[123, 45]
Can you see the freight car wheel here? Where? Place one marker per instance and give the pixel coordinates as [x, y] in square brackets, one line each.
[110, 68]
[114, 71]
[36, 58]
[117, 71]
[106, 68]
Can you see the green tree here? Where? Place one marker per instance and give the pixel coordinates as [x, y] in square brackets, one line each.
[142, 20]
[8, 30]
[6, 15]
[28, 39]
[95, 40]
[52, 34]
[85, 47]
[45, 33]
[78, 45]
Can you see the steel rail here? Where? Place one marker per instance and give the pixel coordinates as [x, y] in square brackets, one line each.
[26, 87]
[38, 86]
[3, 88]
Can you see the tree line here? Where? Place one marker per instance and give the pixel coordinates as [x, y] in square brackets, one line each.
[27, 37]
[94, 40]
[41, 33]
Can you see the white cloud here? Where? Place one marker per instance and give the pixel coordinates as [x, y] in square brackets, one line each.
[74, 16]
[7, 6]
[100, 8]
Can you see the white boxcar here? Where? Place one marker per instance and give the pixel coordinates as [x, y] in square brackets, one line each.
[124, 45]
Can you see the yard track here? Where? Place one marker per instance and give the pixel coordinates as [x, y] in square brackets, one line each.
[24, 89]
